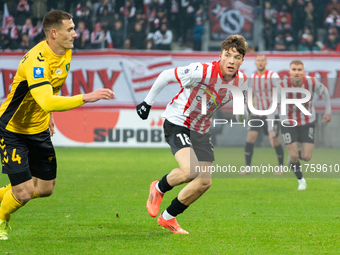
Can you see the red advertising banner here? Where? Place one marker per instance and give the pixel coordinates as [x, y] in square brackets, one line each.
[231, 17]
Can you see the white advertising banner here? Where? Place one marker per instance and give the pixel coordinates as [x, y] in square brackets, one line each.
[130, 74]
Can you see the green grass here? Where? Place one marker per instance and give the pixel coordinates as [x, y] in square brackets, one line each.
[99, 208]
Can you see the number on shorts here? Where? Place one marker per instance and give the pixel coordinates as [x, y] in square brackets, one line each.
[287, 138]
[16, 157]
[185, 140]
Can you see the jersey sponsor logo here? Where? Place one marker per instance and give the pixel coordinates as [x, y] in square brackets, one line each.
[59, 71]
[38, 72]
[67, 67]
[185, 71]
[41, 57]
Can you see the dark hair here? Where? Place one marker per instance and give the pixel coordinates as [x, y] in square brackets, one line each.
[235, 41]
[54, 19]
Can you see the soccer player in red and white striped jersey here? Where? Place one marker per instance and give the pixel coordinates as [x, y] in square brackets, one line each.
[186, 126]
[301, 127]
[262, 82]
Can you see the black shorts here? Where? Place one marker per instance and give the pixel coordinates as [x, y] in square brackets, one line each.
[179, 137]
[260, 122]
[301, 134]
[32, 153]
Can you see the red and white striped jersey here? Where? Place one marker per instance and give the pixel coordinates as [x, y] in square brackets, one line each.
[196, 79]
[294, 113]
[263, 88]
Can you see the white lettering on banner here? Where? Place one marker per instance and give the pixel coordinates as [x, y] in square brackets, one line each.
[238, 100]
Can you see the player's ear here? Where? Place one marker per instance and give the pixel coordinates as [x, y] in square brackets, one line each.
[53, 33]
[220, 56]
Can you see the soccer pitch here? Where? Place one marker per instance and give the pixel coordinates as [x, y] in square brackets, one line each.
[98, 207]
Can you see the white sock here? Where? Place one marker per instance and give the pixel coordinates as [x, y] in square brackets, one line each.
[157, 188]
[167, 216]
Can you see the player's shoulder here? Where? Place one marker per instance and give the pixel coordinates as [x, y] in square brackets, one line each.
[241, 75]
[194, 69]
[36, 55]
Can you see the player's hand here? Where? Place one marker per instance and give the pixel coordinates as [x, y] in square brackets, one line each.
[271, 136]
[51, 125]
[326, 118]
[143, 110]
[98, 95]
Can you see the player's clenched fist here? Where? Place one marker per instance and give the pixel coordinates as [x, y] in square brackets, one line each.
[143, 110]
[97, 95]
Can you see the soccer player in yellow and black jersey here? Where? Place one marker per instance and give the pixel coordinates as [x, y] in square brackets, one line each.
[26, 122]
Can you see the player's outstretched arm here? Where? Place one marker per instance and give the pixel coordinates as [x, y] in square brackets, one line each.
[98, 95]
[143, 109]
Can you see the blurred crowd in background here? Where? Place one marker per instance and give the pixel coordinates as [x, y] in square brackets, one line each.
[288, 25]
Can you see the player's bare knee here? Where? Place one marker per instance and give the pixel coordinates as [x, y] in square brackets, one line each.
[306, 157]
[24, 196]
[294, 157]
[204, 185]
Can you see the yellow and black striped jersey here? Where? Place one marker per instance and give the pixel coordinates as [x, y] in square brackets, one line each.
[43, 72]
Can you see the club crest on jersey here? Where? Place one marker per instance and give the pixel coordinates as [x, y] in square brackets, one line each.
[67, 67]
[38, 72]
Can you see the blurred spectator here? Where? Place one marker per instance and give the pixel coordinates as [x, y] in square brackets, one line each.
[187, 18]
[83, 37]
[163, 38]
[153, 7]
[309, 44]
[105, 5]
[129, 11]
[98, 37]
[330, 6]
[333, 19]
[284, 38]
[268, 36]
[298, 18]
[39, 9]
[83, 13]
[140, 18]
[174, 18]
[23, 12]
[40, 34]
[198, 33]
[284, 12]
[106, 19]
[9, 35]
[28, 32]
[269, 13]
[332, 42]
[311, 17]
[306, 33]
[117, 35]
[136, 39]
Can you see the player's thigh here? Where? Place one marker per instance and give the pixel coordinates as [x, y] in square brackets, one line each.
[307, 151]
[42, 158]
[256, 123]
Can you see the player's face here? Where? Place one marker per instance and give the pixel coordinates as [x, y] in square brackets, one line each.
[296, 72]
[66, 35]
[230, 62]
[261, 63]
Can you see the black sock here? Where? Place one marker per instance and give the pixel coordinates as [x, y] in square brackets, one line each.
[296, 168]
[164, 185]
[248, 152]
[176, 207]
[300, 157]
[279, 153]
